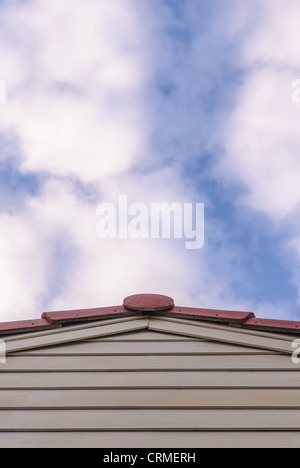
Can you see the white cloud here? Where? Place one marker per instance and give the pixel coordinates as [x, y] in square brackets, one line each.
[63, 135]
[22, 268]
[90, 271]
[261, 137]
[276, 36]
[74, 74]
[262, 142]
[51, 257]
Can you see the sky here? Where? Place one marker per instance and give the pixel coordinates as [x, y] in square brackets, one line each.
[187, 101]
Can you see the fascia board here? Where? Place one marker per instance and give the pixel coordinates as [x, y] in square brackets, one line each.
[71, 334]
[225, 335]
[233, 329]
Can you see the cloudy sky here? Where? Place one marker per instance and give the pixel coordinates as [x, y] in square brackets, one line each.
[188, 101]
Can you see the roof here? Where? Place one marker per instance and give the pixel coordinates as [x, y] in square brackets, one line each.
[149, 304]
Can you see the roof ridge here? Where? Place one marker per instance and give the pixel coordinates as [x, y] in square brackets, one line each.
[215, 315]
[148, 304]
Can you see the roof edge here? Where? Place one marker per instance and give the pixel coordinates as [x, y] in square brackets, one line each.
[212, 315]
[24, 326]
[239, 319]
[284, 326]
[87, 315]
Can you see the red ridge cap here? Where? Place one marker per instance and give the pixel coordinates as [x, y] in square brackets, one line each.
[148, 302]
[208, 314]
[22, 326]
[99, 313]
[272, 325]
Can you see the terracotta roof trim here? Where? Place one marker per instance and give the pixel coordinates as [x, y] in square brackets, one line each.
[209, 314]
[150, 305]
[99, 313]
[272, 325]
[23, 326]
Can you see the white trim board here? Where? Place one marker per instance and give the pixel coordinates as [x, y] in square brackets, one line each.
[179, 327]
[221, 334]
[81, 333]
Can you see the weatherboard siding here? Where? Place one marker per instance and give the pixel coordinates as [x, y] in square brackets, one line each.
[149, 398]
[142, 348]
[149, 439]
[153, 420]
[123, 390]
[151, 379]
[148, 363]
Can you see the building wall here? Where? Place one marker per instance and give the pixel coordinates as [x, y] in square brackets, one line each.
[148, 389]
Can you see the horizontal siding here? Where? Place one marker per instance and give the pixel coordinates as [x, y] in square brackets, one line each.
[144, 335]
[150, 439]
[146, 362]
[150, 420]
[143, 347]
[154, 379]
[146, 398]
[123, 390]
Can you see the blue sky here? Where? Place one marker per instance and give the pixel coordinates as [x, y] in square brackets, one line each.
[162, 100]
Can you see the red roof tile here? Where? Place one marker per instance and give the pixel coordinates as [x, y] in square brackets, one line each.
[209, 314]
[22, 326]
[272, 325]
[99, 313]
